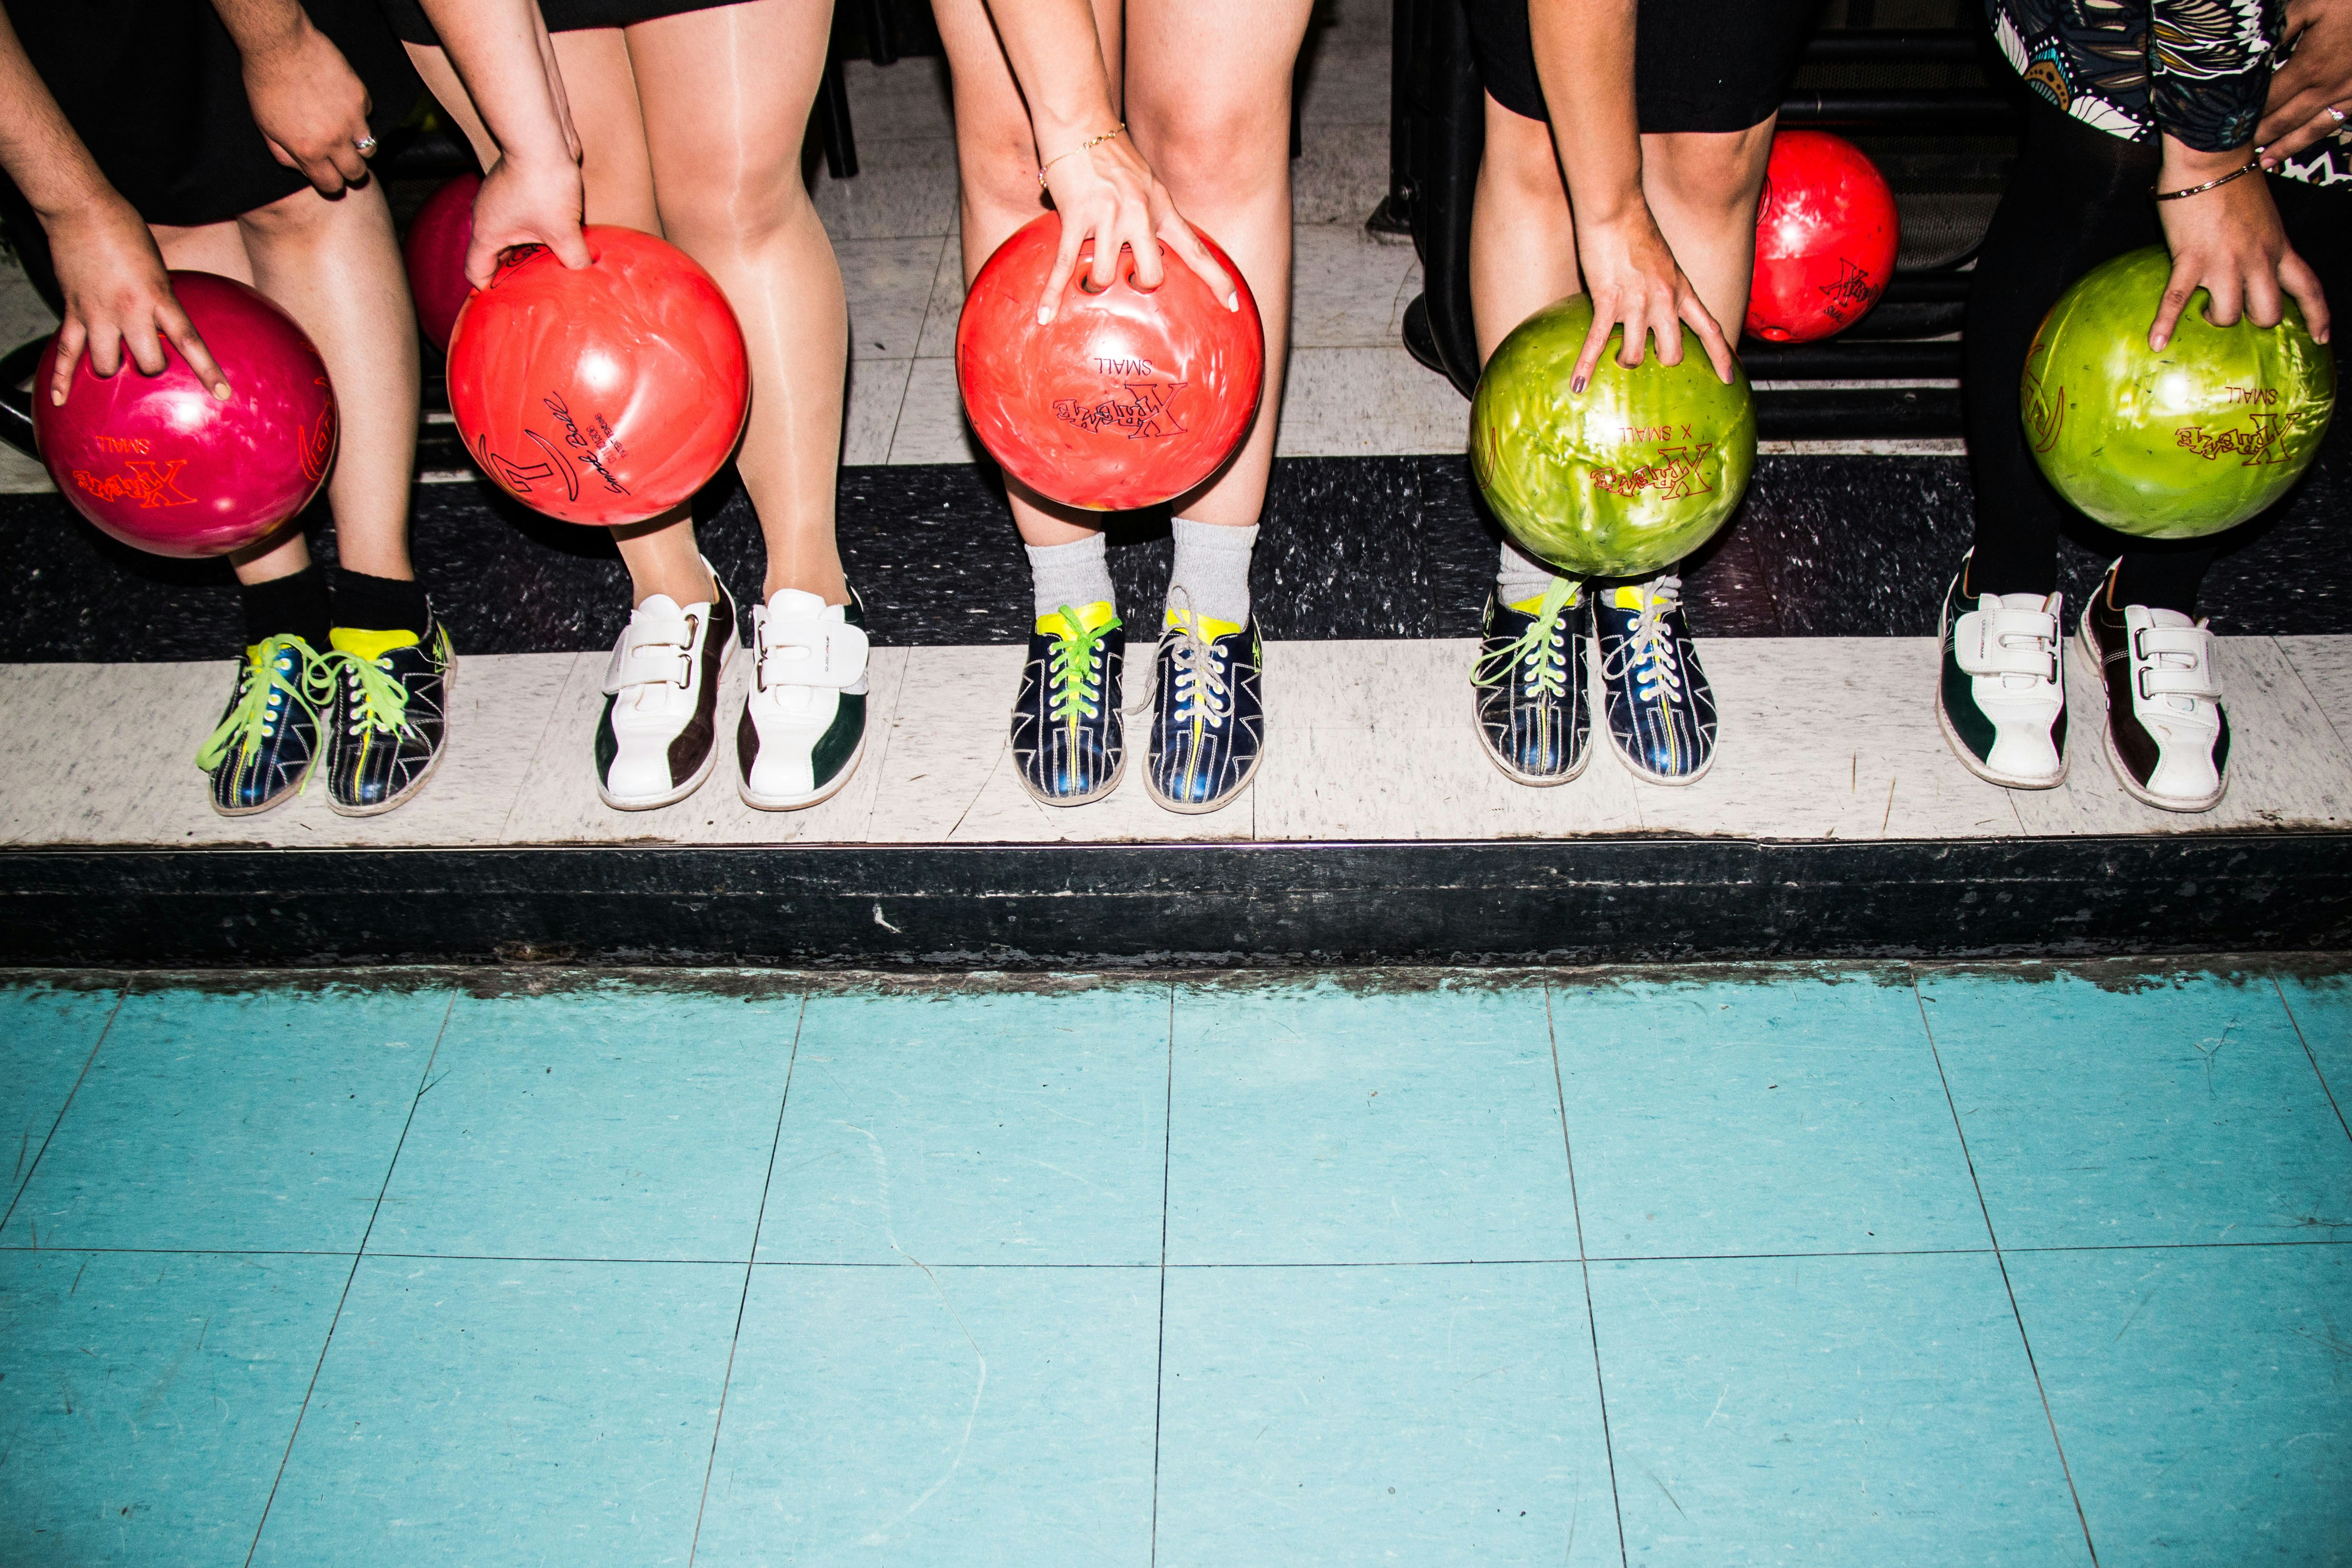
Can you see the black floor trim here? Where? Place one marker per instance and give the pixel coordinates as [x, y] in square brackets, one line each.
[1595, 900]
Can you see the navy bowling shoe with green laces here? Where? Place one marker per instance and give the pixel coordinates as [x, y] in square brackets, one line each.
[267, 738]
[1069, 736]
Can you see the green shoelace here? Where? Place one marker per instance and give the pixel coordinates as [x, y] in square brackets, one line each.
[383, 699]
[284, 666]
[1548, 666]
[1070, 670]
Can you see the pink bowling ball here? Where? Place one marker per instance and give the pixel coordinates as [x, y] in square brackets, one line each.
[434, 251]
[164, 466]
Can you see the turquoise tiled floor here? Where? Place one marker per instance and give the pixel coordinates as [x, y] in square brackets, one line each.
[1874, 1265]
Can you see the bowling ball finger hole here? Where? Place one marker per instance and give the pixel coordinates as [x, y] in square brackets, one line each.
[1087, 285]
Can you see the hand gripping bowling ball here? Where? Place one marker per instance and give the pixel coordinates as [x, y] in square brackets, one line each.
[603, 396]
[1127, 398]
[1622, 479]
[434, 251]
[2178, 443]
[1826, 234]
[164, 466]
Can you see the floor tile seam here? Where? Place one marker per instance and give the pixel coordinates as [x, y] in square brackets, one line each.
[424, 1083]
[1584, 1271]
[726, 1379]
[2325, 1087]
[2343, 738]
[17, 1196]
[2009, 1287]
[537, 748]
[1159, 1351]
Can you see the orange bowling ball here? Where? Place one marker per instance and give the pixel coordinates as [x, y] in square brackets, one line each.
[1129, 397]
[603, 396]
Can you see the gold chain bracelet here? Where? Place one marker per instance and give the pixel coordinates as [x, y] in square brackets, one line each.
[1118, 130]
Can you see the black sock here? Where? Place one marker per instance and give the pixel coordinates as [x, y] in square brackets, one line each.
[2163, 579]
[295, 604]
[367, 603]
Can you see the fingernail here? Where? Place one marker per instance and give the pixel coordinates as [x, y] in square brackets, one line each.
[1576, 385]
[220, 391]
[1044, 314]
[57, 400]
[1233, 301]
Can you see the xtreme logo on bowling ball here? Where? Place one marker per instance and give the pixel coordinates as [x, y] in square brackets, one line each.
[150, 484]
[1679, 472]
[1147, 410]
[2259, 444]
[1849, 296]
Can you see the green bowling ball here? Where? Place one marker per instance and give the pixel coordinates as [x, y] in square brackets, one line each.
[1623, 480]
[2177, 444]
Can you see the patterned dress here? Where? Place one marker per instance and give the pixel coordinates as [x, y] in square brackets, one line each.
[2198, 69]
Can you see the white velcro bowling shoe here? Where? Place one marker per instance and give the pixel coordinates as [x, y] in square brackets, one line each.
[2167, 740]
[803, 726]
[656, 742]
[1999, 701]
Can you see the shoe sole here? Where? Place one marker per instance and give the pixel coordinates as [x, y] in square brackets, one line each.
[274, 802]
[432, 766]
[803, 802]
[1533, 780]
[1099, 792]
[2088, 651]
[1968, 758]
[702, 774]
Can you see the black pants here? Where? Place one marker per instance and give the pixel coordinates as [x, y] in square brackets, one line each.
[2080, 197]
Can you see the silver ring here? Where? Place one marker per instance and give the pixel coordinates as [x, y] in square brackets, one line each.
[366, 144]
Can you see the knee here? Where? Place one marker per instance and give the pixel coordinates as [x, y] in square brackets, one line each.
[1217, 154]
[1518, 164]
[997, 166]
[305, 212]
[1712, 175]
[721, 205]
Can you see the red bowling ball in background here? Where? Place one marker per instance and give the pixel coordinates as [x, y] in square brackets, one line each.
[1126, 399]
[434, 251]
[1826, 235]
[162, 465]
[603, 396]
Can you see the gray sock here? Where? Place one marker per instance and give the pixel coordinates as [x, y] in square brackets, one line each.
[1212, 570]
[1075, 575]
[1521, 576]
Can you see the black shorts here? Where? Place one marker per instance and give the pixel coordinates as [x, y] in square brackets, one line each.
[562, 16]
[1698, 65]
[156, 91]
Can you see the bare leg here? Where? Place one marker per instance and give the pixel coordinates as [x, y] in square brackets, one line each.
[727, 94]
[1702, 187]
[1522, 240]
[997, 161]
[1208, 103]
[661, 555]
[335, 267]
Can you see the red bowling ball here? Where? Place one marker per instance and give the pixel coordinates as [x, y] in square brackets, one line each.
[1826, 235]
[164, 466]
[434, 251]
[1128, 398]
[603, 396]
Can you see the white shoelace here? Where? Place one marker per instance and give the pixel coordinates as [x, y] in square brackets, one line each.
[1648, 652]
[1201, 688]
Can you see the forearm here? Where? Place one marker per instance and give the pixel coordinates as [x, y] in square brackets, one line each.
[259, 27]
[494, 47]
[1584, 60]
[2183, 166]
[38, 145]
[1057, 60]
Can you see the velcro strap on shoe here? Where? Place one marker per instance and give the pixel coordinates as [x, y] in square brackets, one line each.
[812, 653]
[650, 652]
[2191, 674]
[2006, 643]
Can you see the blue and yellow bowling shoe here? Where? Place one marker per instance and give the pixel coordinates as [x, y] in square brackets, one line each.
[1658, 706]
[1069, 736]
[1528, 681]
[267, 738]
[1208, 718]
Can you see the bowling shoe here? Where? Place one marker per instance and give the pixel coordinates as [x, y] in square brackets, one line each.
[2168, 739]
[804, 724]
[1208, 721]
[1069, 736]
[657, 739]
[268, 736]
[1528, 682]
[1999, 701]
[1654, 698]
[385, 728]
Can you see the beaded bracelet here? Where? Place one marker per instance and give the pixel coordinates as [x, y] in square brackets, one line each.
[1118, 130]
